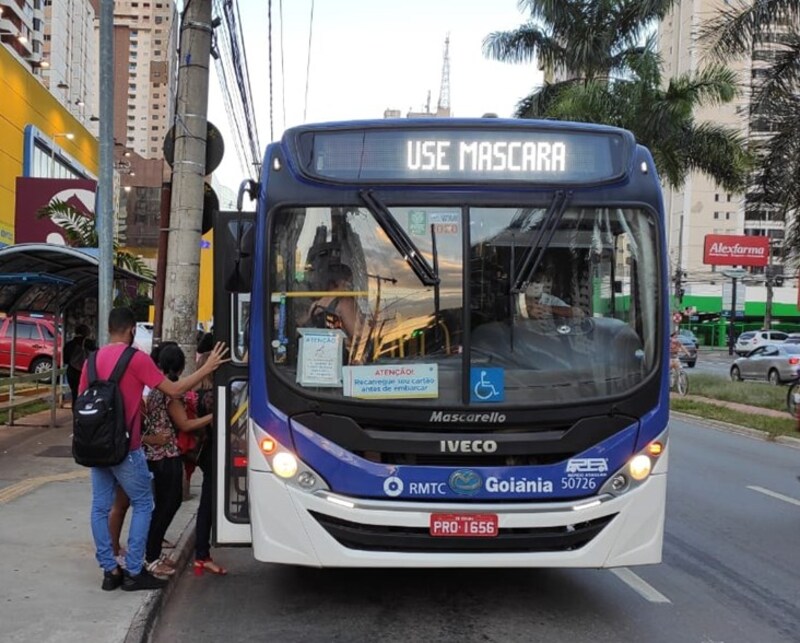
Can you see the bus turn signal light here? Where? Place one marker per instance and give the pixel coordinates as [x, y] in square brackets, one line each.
[655, 448]
[268, 446]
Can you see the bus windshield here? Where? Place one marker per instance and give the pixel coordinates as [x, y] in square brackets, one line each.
[515, 313]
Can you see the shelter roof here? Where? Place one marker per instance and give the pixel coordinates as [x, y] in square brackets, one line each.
[46, 278]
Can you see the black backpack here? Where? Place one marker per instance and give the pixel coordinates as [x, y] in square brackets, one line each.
[100, 437]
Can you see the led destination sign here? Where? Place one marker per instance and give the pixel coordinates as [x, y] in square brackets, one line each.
[454, 155]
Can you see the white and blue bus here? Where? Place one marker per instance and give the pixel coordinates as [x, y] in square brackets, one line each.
[449, 348]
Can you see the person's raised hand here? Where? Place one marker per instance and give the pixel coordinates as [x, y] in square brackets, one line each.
[217, 357]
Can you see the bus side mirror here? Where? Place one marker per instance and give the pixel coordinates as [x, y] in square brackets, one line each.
[240, 277]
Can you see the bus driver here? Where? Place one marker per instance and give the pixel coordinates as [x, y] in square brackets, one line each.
[541, 304]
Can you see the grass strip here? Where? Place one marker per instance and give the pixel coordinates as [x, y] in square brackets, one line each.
[751, 393]
[772, 425]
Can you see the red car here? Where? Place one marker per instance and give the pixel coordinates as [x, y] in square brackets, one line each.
[34, 350]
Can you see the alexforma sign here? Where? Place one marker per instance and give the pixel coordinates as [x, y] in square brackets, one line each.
[736, 250]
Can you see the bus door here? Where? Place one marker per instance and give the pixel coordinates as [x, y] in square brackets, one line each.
[233, 232]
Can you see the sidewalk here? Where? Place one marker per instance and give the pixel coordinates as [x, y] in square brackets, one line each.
[49, 579]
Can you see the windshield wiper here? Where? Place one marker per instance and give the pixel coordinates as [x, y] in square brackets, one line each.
[535, 253]
[400, 239]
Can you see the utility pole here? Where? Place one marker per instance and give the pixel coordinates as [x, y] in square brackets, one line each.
[188, 177]
[678, 278]
[104, 210]
[769, 282]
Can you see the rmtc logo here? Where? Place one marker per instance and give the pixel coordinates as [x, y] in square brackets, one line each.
[587, 465]
[467, 446]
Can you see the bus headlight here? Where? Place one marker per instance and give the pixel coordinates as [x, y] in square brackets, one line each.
[637, 470]
[639, 467]
[284, 464]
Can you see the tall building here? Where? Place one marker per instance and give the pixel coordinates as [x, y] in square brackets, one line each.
[145, 77]
[70, 63]
[22, 30]
[145, 41]
[702, 207]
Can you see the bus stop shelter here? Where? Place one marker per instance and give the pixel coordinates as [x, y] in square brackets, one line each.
[43, 278]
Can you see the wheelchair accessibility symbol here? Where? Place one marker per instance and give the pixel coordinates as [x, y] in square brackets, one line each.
[486, 385]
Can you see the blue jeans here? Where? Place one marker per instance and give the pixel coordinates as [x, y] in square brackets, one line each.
[134, 477]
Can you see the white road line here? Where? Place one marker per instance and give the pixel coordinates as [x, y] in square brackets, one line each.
[775, 494]
[639, 585]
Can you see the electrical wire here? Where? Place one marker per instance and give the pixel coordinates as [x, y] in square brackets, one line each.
[269, 45]
[308, 63]
[283, 72]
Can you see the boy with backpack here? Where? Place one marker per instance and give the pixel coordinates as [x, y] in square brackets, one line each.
[107, 437]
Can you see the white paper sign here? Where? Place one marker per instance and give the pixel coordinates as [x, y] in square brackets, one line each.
[320, 357]
[391, 381]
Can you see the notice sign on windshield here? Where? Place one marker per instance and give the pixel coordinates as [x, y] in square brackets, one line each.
[530, 153]
[393, 381]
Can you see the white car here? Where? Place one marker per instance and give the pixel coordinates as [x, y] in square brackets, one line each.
[144, 337]
[752, 339]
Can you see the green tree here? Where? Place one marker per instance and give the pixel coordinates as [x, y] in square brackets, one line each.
[614, 77]
[80, 232]
[768, 31]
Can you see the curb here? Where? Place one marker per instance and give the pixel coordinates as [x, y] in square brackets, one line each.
[739, 430]
[144, 620]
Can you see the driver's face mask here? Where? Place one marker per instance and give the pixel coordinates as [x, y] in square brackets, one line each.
[540, 284]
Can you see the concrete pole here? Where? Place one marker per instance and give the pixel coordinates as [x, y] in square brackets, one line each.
[104, 211]
[188, 175]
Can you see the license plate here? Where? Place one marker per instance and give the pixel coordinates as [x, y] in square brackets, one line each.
[464, 525]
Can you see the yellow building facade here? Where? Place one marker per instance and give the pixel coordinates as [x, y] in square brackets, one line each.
[27, 106]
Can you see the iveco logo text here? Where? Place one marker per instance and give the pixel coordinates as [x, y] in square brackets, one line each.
[467, 446]
[489, 418]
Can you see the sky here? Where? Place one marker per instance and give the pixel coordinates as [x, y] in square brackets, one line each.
[370, 55]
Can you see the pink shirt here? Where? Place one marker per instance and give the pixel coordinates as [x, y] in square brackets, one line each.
[142, 371]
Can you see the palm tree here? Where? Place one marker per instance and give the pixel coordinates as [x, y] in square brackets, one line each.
[587, 40]
[616, 80]
[768, 30]
[80, 232]
[662, 119]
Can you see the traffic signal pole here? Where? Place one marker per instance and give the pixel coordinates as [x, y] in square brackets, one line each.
[182, 281]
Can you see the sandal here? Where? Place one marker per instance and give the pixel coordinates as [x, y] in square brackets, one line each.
[208, 565]
[158, 568]
[166, 560]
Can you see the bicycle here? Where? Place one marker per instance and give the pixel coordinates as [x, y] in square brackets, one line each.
[678, 381]
[793, 398]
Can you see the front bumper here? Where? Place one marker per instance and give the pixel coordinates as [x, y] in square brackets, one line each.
[324, 529]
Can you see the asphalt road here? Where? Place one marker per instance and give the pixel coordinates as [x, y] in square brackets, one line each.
[730, 574]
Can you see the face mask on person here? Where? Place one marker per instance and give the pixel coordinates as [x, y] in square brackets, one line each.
[541, 284]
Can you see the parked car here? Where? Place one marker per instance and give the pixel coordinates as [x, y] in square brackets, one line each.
[776, 363]
[751, 339]
[793, 338]
[34, 349]
[685, 332]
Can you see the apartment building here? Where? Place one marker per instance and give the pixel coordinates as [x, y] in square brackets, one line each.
[22, 30]
[702, 207]
[145, 40]
[69, 67]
